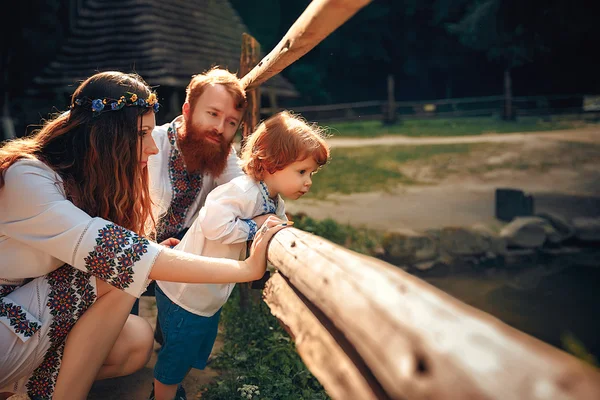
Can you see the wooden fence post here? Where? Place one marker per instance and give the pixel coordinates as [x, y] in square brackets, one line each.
[248, 60]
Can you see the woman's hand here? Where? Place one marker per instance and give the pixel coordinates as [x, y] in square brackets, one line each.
[170, 242]
[257, 262]
[260, 220]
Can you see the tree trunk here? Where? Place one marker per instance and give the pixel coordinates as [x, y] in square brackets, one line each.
[449, 88]
[390, 114]
[8, 126]
[509, 112]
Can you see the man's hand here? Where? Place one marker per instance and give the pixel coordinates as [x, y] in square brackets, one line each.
[170, 242]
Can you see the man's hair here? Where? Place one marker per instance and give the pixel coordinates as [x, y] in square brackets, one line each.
[281, 140]
[216, 76]
[97, 156]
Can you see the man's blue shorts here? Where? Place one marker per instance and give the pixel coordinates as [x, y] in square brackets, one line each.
[188, 340]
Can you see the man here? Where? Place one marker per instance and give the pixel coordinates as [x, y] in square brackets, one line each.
[195, 151]
[195, 156]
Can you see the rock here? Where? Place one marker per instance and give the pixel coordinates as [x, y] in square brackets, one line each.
[405, 246]
[587, 229]
[497, 243]
[563, 230]
[463, 242]
[424, 265]
[527, 232]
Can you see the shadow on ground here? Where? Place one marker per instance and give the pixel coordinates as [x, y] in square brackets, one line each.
[138, 386]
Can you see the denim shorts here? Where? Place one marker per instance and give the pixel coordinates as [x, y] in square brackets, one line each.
[188, 340]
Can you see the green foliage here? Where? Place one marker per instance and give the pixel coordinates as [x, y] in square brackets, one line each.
[361, 240]
[259, 359]
[311, 77]
[504, 30]
[35, 42]
[574, 346]
[447, 127]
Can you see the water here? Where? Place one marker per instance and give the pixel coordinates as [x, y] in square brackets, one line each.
[566, 302]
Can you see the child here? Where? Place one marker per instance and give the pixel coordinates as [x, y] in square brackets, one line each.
[279, 159]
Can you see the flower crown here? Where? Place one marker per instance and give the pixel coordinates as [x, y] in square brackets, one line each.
[129, 99]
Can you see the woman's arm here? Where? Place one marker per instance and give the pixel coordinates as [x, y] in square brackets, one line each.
[178, 266]
[35, 212]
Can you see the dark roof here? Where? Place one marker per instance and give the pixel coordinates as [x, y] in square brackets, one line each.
[165, 41]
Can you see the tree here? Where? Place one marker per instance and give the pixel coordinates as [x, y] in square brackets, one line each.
[499, 29]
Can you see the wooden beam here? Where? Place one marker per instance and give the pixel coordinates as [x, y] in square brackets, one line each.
[324, 350]
[320, 18]
[419, 342]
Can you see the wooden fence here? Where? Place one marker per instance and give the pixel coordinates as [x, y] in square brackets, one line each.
[369, 330]
[441, 108]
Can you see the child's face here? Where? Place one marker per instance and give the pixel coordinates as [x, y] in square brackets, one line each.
[294, 181]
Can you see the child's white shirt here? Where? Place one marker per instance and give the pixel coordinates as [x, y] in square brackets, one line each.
[222, 228]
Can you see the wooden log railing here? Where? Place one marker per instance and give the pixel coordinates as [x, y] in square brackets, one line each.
[369, 330]
[320, 18]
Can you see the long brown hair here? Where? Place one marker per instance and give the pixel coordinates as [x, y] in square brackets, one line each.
[97, 156]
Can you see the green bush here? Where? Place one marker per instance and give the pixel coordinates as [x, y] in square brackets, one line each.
[258, 359]
[361, 240]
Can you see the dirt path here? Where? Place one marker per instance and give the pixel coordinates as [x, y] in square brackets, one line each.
[584, 135]
[459, 190]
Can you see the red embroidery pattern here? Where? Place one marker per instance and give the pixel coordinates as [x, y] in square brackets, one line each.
[7, 289]
[117, 250]
[185, 189]
[15, 314]
[71, 294]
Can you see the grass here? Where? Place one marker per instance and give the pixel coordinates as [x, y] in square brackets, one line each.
[258, 359]
[376, 168]
[448, 127]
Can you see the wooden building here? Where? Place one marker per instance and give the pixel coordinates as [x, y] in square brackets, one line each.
[166, 42]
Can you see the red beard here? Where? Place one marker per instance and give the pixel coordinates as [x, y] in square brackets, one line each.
[201, 155]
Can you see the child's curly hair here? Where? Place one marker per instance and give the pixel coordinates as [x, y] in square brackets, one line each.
[279, 141]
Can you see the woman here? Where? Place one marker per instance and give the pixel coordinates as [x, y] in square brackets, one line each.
[74, 207]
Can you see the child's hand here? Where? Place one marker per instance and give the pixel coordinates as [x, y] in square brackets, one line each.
[170, 242]
[258, 252]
